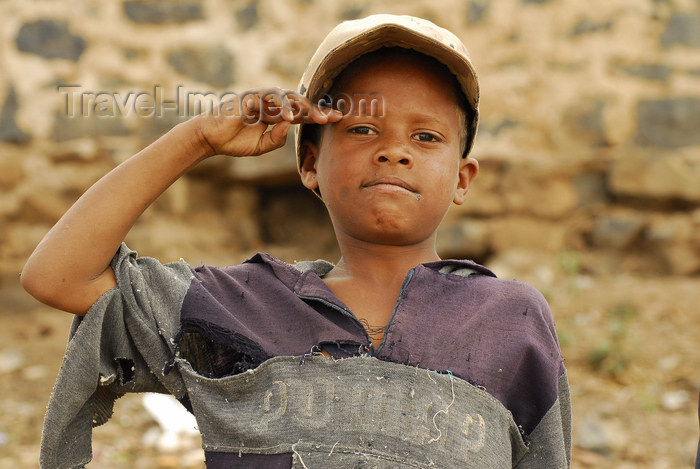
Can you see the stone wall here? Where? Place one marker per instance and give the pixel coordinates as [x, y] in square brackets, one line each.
[589, 144]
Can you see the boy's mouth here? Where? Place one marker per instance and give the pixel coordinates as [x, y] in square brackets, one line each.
[391, 184]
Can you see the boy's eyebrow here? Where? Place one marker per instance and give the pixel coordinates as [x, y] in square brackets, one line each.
[428, 118]
[416, 117]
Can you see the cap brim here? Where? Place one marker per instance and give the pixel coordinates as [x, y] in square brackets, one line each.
[392, 35]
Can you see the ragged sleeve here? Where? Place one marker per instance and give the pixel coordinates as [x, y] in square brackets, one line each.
[550, 441]
[121, 345]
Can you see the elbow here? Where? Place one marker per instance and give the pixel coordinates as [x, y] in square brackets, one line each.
[47, 290]
[36, 284]
[27, 278]
[55, 288]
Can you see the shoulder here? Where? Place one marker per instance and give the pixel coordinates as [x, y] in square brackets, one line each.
[519, 304]
[259, 270]
[499, 303]
[511, 290]
[472, 279]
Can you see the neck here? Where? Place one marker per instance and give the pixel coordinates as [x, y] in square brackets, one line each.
[381, 263]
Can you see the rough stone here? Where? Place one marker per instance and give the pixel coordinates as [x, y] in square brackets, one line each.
[214, 66]
[683, 29]
[670, 123]
[659, 175]
[163, 12]
[151, 129]
[617, 231]
[309, 224]
[477, 11]
[47, 205]
[247, 17]
[485, 194]
[352, 12]
[601, 436]
[496, 128]
[670, 229]
[9, 131]
[682, 259]
[67, 128]
[592, 436]
[526, 233]
[591, 188]
[131, 53]
[277, 165]
[656, 72]
[50, 39]
[550, 197]
[11, 170]
[242, 206]
[586, 121]
[168, 237]
[20, 238]
[588, 26]
[481, 202]
[675, 400]
[10, 206]
[463, 240]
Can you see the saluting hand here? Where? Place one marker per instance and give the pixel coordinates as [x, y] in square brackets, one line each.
[257, 121]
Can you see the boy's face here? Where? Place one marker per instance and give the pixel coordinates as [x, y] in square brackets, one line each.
[388, 176]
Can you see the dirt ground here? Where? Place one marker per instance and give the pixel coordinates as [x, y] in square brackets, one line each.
[631, 348]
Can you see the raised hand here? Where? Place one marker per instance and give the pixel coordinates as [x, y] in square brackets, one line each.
[257, 121]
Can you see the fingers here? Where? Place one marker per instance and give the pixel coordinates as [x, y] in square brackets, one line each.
[274, 105]
[257, 121]
[310, 113]
[274, 138]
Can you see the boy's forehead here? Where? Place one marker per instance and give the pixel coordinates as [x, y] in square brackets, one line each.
[387, 60]
[397, 65]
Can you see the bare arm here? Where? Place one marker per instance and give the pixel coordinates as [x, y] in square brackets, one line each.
[69, 269]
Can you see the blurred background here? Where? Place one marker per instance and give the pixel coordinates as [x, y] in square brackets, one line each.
[589, 187]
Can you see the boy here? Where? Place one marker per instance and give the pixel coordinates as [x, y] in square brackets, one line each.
[390, 358]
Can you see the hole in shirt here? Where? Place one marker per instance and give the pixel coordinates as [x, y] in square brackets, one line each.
[125, 370]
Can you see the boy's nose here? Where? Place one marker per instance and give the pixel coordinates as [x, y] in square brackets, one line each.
[400, 159]
[394, 153]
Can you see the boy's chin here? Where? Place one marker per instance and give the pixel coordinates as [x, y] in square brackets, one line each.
[391, 236]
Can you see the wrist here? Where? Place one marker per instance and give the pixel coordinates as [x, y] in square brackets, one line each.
[195, 139]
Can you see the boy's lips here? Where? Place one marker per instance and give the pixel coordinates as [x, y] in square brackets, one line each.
[390, 183]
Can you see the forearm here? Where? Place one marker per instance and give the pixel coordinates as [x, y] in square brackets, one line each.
[69, 269]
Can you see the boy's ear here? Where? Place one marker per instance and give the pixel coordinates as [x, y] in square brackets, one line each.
[468, 168]
[309, 159]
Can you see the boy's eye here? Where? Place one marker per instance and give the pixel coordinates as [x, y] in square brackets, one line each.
[427, 137]
[362, 130]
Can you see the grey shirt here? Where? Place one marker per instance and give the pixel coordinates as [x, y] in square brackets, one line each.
[201, 333]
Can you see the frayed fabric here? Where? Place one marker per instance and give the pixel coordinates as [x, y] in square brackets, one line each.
[268, 322]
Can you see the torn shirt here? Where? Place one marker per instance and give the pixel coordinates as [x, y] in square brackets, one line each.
[207, 334]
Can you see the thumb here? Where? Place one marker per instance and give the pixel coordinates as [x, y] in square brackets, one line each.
[275, 138]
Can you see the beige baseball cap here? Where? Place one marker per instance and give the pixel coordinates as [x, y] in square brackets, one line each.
[352, 39]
